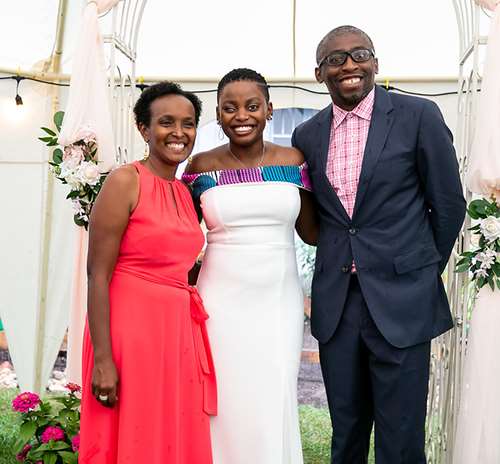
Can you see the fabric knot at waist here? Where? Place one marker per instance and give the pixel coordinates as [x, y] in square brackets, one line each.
[201, 342]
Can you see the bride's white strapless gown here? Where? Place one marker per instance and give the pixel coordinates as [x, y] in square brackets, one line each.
[251, 290]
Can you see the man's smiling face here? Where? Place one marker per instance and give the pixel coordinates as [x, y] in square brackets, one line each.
[350, 82]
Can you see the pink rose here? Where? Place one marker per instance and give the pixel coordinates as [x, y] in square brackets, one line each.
[75, 442]
[52, 433]
[25, 402]
[73, 152]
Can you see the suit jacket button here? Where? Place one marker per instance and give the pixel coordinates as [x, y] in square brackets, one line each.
[345, 269]
[353, 231]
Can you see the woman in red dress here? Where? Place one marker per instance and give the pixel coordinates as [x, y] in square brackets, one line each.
[148, 377]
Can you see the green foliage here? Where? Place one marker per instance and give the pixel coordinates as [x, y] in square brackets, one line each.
[314, 424]
[10, 423]
[83, 191]
[483, 263]
[316, 431]
[60, 411]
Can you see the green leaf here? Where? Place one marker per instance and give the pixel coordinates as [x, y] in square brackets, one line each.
[50, 458]
[19, 445]
[34, 455]
[27, 430]
[68, 457]
[46, 139]
[80, 222]
[73, 194]
[462, 268]
[49, 131]
[52, 143]
[58, 120]
[57, 155]
[496, 269]
[58, 445]
[492, 284]
[498, 284]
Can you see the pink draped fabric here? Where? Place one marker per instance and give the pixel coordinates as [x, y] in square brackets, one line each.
[88, 109]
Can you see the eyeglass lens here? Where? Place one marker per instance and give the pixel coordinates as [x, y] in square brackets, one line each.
[339, 58]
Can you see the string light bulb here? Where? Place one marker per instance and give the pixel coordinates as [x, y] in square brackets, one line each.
[19, 100]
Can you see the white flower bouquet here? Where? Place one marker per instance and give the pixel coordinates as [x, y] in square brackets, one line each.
[484, 262]
[76, 165]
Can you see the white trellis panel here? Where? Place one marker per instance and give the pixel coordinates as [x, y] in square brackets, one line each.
[448, 350]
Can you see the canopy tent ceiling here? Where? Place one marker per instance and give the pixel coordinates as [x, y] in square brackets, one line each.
[200, 39]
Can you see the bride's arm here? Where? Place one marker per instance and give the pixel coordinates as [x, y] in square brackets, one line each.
[307, 224]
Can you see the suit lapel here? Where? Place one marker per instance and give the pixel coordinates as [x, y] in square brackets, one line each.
[381, 123]
[324, 127]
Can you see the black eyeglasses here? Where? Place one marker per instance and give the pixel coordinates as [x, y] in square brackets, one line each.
[339, 58]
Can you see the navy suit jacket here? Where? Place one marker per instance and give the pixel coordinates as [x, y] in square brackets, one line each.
[408, 212]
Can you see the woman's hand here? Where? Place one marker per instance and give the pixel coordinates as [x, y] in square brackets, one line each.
[105, 382]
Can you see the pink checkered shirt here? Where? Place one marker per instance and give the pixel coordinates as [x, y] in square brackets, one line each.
[348, 136]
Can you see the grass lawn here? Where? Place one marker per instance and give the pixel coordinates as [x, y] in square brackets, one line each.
[314, 424]
[9, 423]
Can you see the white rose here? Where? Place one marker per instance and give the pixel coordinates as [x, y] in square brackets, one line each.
[68, 169]
[89, 173]
[490, 228]
[73, 180]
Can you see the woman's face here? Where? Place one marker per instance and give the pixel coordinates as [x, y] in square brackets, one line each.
[242, 112]
[172, 129]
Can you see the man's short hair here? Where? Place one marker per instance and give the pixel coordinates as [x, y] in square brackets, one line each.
[338, 31]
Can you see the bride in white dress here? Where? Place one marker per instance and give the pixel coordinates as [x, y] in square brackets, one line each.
[253, 196]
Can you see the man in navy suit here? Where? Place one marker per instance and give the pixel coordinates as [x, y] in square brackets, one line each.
[390, 206]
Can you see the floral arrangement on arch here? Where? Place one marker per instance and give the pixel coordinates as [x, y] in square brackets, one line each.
[483, 262]
[50, 430]
[76, 165]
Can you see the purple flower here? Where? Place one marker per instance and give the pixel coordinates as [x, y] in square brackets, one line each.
[25, 402]
[75, 442]
[52, 433]
[21, 457]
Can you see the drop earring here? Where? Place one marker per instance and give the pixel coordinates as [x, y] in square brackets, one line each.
[146, 150]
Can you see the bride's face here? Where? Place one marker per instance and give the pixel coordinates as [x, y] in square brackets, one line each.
[243, 111]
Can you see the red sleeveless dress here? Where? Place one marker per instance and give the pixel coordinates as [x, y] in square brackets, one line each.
[167, 383]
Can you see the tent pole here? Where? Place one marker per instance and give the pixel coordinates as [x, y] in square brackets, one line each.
[55, 67]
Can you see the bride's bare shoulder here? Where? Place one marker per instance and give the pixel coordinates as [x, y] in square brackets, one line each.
[205, 161]
[282, 155]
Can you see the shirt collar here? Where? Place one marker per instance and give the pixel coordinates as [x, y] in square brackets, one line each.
[363, 110]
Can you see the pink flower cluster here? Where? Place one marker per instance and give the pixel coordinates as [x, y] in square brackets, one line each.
[52, 433]
[73, 387]
[25, 402]
[75, 442]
